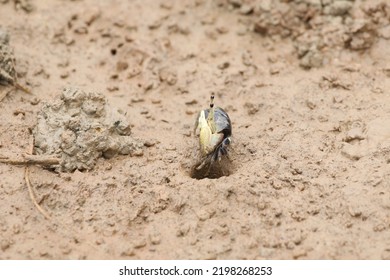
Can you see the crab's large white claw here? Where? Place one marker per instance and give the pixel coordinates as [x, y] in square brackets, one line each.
[208, 140]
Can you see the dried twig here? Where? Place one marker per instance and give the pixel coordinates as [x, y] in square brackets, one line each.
[16, 86]
[27, 159]
[22, 88]
[4, 93]
[31, 192]
[28, 182]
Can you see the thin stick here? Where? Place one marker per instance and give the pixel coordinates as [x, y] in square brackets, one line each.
[31, 193]
[15, 86]
[28, 182]
[42, 211]
[30, 159]
[34, 159]
[22, 88]
[4, 94]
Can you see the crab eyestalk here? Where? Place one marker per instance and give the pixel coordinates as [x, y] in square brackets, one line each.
[210, 118]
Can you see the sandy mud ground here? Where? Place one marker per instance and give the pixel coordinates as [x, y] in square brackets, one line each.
[306, 84]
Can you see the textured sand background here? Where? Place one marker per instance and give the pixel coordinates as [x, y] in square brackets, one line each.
[306, 84]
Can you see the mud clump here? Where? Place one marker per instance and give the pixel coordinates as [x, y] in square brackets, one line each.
[24, 5]
[4, 36]
[7, 64]
[80, 128]
[7, 60]
[318, 29]
[8, 74]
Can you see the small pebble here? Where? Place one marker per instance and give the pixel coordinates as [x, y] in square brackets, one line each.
[246, 9]
[129, 252]
[170, 148]
[224, 65]
[191, 102]
[64, 75]
[222, 30]
[149, 143]
[138, 153]
[155, 239]
[4, 244]
[140, 243]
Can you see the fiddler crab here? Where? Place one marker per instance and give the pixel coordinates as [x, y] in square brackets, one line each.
[215, 131]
